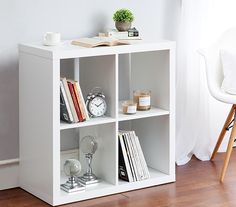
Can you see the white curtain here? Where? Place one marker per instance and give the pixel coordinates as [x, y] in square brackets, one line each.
[199, 117]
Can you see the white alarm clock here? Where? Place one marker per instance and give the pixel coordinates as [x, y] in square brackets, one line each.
[96, 103]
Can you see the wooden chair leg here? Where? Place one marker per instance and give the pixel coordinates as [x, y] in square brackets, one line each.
[228, 152]
[223, 131]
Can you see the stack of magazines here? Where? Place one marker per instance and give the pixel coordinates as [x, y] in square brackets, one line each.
[132, 164]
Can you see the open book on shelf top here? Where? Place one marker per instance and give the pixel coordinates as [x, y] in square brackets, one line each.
[99, 41]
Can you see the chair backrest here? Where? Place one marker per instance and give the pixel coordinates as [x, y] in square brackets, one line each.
[212, 58]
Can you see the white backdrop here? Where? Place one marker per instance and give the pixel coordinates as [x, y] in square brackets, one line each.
[27, 21]
[199, 117]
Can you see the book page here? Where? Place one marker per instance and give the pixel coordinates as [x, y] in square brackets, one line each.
[98, 41]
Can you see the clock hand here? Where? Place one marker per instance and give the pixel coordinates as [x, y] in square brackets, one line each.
[99, 104]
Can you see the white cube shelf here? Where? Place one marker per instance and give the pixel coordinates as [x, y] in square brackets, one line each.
[118, 71]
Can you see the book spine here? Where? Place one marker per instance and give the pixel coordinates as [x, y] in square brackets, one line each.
[129, 157]
[66, 102]
[125, 156]
[82, 100]
[120, 35]
[144, 164]
[137, 157]
[69, 97]
[123, 174]
[129, 149]
[75, 101]
[113, 33]
[79, 102]
[133, 154]
[64, 115]
[143, 167]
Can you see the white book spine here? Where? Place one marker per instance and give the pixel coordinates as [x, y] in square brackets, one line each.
[137, 157]
[144, 163]
[66, 102]
[127, 165]
[119, 36]
[132, 156]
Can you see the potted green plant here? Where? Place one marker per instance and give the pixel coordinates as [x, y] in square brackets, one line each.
[123, 19]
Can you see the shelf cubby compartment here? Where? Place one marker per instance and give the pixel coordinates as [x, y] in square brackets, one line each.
[145, 70]
[153, 134]
[90, 72]
[104, 159]
[100, 71]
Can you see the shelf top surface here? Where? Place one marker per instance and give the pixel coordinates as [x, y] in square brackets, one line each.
[67, 50]
[91, 122]
[142, 114]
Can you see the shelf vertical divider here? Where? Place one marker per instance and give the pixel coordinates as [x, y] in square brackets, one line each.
[117, 113]
[172, 62]
[76, 70]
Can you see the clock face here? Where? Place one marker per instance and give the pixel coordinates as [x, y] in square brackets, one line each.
[97, 107]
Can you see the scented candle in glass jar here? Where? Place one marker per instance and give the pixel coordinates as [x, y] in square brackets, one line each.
[143, 99]
[129, 107]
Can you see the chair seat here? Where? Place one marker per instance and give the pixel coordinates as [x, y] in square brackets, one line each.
[222, 96]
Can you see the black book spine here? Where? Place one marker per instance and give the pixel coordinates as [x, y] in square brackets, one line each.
[122, 169]
[64, 115]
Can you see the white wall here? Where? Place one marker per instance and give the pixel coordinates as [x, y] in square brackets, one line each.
[27, 21]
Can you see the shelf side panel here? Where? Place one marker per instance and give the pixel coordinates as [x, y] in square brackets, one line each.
[36, 102]
[172, 109]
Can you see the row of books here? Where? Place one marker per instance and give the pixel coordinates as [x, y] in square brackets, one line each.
[72, 104]
[132, 164]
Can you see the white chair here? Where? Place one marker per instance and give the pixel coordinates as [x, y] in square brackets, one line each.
[215, 77]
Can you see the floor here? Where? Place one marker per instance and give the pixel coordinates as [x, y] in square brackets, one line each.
[197, 185]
